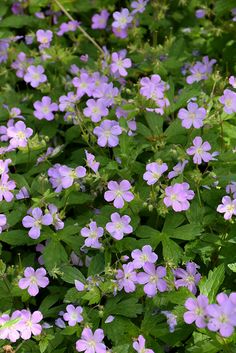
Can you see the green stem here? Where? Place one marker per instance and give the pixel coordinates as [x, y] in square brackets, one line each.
[79, 27]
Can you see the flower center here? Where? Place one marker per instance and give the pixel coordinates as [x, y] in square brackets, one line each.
[153, 279]
[33, 280]
[20, 135]
[230, 208]
[36, 76]
[93, 235]
[223, 319]
[228, 102]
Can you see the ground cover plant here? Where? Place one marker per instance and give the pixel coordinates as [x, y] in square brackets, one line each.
[117, 176]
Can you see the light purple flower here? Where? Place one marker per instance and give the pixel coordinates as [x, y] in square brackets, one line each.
[6, 187]
[229, 101]
[12, 331]
[200, 70]
[171, 320]
[3, 222]
[79, 286]
[4, 165]
[70, 26]
[44, 109]
[19, 134]
[35, 222]
[144, 256]
[187, 278]
[120, 63]
[119, 192]
[91, 342]
[119, 226]
[153, 279]
[73, 314]
[34, 280]
[196, 311]
[99, 21]
[222, 316]
[192, 116]
[57, 222]
[232, 81]
[4, 45]
[21, 64]
[30, 324]
[96, 109]
[139, 345]
[44, 37]
[35, 75]
[120, 32]
[108, 133]
[228, 207]
[154, 171]
[122, 19]
[92, 235]
[83, 84]
[91, 162]
[138, 6]
[177, 169]
[199, 150]
[62, 177]
[177, 196]
[200, 13]
[109, 319]
[127, 278]
[22, 194]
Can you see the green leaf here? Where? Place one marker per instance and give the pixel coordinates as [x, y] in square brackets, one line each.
[70, 274]
[172, 252]
[97, 265]
[18, 21]
[153, 236]
[223, 7]
[54, 255]
[209, 286]
[128, 307]
[93, 296]
[16, 237]
[124, 348]
[186, 232]
[155, 122]
[232, 267]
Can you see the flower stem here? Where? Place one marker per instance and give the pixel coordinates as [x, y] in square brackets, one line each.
[79, 27]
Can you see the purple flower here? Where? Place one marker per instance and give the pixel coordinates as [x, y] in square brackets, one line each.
[222, 316]
[144, 256]
[62, 177]
[91, 162]
[229, 101]
[30, 324]
[228, 207]
[199, 150]
[152, 278]
[192, 116]
[120, 63]
[187, 278]
[79, 286]
[6, 187]
[44, 37]
[3, 222]
[177, 196]
[68, 102]
[171, 320]
[152, 88]
[4, 165]
[21, 64]
[177, 169]
[127, 278]
[93, 233]
[232, 81]
[96, 109]
[83, 84]
[4, 45]
[99, 21]
[36, 221]
[196, 311]
[16, 113]
[200, 13]
[71, 26]
[138, 6]
[139, 345]
[108, 133]
[91, 342]
[34, 280]
[122, 19]
[119, 192]
[19, 134]
[35, 75]
[120, 32]
[44, 109]
[73, 315]
[22, 194]
[119, 226]
[57, 222]
[154, 171]
[12, 331]
[200, 70]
